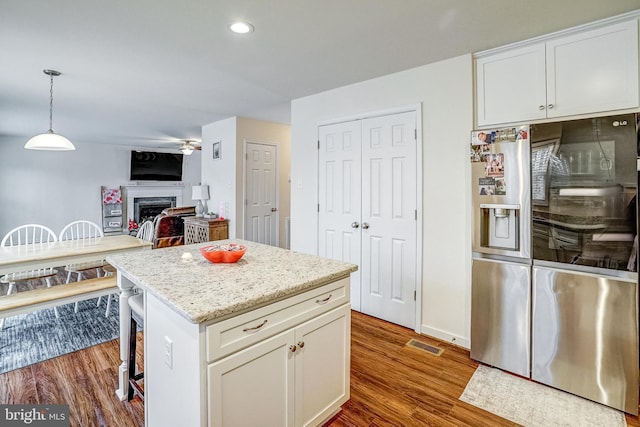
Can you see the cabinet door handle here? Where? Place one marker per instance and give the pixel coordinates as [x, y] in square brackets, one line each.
[300, 344]
[323, 301]
[255, 328]
[293, 348]
[541, 107]
[355, 224]
[274, 209]
[365, 225]
[550, 106]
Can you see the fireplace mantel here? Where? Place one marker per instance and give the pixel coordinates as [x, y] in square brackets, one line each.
[154, 190]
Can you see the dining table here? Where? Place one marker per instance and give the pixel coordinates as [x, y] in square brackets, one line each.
[54, 254]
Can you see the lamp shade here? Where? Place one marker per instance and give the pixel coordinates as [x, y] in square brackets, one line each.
[49, 141]
[200, 192]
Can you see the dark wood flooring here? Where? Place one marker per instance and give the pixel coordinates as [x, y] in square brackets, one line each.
[392, 384]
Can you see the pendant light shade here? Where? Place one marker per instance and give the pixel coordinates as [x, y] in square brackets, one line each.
[50, 140]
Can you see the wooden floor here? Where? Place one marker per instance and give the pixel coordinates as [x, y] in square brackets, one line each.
[392, 384]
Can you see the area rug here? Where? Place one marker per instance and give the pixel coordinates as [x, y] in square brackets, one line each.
[532, 405]
[37, 336]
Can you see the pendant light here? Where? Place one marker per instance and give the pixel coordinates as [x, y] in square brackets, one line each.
[50, 140]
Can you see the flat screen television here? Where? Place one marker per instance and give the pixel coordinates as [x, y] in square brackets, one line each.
[150, 166]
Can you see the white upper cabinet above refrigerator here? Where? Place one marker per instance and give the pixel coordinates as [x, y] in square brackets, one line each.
[510, 86]
[582, 72]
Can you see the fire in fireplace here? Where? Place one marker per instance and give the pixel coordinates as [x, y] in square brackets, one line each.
[146, 208]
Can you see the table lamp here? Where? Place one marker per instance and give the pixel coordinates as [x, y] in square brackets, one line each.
[200, 193]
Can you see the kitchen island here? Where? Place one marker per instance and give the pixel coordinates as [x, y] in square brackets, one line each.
[264, 341]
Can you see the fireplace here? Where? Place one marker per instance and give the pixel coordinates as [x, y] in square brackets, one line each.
[146, 208]
[144, 202]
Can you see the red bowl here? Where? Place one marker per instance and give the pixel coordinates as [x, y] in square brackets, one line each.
[228, 252]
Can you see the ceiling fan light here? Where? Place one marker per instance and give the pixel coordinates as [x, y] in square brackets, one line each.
[186, 150]
[49, 141]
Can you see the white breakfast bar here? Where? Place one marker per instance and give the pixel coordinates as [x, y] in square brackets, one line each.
[262, 342]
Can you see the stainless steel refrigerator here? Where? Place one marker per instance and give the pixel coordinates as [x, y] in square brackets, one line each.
[584, 243]
[501, 264]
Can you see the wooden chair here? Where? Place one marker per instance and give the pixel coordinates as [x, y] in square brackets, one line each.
[24, 235]
[83, 229]
[136, 303]
[145, 232]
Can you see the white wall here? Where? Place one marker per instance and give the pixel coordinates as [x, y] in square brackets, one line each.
[220, 174]
[225, 177]
[446, 93]
[55, 188]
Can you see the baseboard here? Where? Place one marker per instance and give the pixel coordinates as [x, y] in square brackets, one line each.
[446, 336]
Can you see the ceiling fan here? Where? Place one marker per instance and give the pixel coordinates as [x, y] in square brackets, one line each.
[189, 145]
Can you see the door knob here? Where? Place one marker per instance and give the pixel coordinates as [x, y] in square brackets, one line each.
[355, 224]
[365, 225]
[274, 209]
[550, 106]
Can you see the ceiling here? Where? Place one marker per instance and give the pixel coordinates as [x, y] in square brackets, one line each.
[152, 72]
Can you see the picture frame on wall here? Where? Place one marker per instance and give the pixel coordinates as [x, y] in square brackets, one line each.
[217, 147]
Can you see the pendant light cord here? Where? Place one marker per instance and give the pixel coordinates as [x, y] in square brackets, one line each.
[51, 105]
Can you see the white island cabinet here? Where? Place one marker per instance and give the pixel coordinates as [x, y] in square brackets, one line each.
[575, 72]
[271, 349]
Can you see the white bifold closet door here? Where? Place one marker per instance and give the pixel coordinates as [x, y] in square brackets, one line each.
[367, 210]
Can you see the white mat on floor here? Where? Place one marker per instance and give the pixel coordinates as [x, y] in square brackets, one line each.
[532, 405]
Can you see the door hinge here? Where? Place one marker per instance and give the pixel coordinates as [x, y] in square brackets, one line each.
[318, 145]
[318, 207]
[415, 134]
[415, 212]
[414, 295]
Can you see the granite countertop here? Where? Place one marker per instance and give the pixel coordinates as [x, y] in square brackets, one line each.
[201, 291]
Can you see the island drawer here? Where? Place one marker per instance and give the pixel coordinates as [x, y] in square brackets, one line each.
[228, 336]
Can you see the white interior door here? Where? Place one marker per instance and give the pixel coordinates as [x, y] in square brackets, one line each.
[389, 218]
[261, 192]
[339, 197]
[367, 209]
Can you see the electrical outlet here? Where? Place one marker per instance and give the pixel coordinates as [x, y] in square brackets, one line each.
[168, 352]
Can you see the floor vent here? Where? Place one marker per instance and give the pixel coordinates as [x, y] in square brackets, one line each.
[426, 347]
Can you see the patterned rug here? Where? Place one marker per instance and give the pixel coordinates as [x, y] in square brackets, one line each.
[532, 405]
[30, 338]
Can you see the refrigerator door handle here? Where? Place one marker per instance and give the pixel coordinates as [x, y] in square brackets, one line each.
[498, 206]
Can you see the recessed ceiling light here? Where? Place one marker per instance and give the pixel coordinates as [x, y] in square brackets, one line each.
[241, 27]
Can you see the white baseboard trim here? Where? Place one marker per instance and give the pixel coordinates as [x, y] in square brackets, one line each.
[446, 336]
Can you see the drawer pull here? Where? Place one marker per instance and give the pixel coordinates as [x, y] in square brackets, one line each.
[255, 328]
[323, 301]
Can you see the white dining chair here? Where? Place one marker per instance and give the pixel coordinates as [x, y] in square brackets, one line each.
[145, 232]
[83, 229]
[25, 235]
